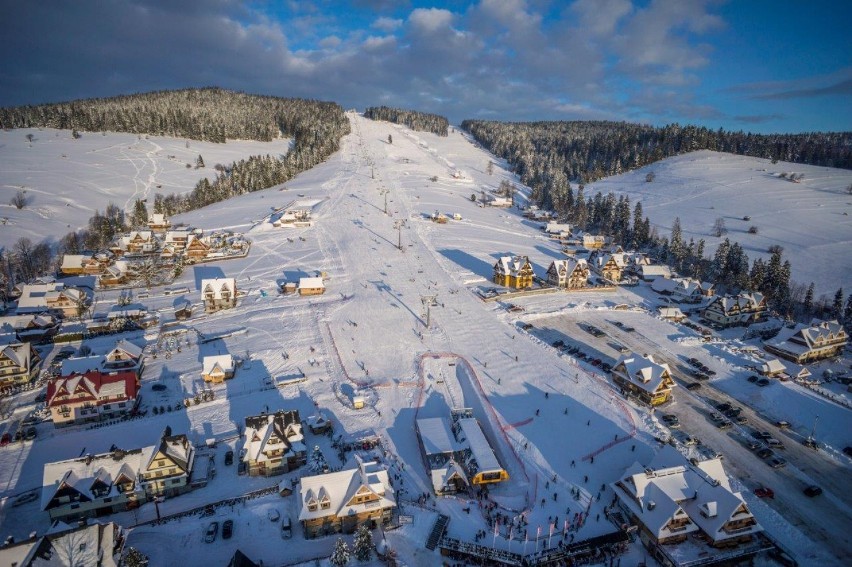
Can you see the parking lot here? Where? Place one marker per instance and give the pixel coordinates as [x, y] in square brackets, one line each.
[788, 470]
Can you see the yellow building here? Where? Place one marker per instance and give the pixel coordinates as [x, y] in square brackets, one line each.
[513, 271]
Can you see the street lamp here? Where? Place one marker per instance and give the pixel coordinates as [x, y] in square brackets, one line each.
[398, 224]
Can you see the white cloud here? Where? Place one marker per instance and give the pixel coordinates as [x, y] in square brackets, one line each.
[386, 24]
[430, 20]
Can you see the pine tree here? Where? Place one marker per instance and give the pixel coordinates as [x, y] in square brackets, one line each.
[340, 556]
[363, 545]
[837, 306]
[134, 558]
[808, 303]
[317, 462]
[199, 162]
[677, 250]
[489, 169]
[847, 313]
[719, 266]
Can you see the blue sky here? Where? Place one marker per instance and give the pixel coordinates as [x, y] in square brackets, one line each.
[749, 65]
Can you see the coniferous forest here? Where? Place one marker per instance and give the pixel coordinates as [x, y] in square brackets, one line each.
[213, 115]
[548, 156]
[420, 121]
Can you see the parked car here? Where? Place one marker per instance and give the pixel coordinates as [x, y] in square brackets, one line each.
[753, 378]
[812, 490]
[774, 443]
[273, 514]
[227, 529]
[5, 440]
[693, 386]
[286, 528]
[229, 458]
[30, 434]
[671, 420]
[764, 492]
[762, 435]
[776, 462]
[558, 344]
[212, 531]
[752, 445]
[723, 407]
[25, 498]
[763, 382]
[782, 425]
[765, 453]
[742, 420]
[242, 468]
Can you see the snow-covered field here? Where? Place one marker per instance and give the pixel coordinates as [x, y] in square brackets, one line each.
[367, 334]
[810, 218]
[67, 180]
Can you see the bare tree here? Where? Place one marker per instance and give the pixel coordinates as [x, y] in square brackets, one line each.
[19, 201]
[489, 169]
[30, 138]
[650, 177]
[719, 228]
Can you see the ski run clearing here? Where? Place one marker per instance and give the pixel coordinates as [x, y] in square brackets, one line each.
[556, 424]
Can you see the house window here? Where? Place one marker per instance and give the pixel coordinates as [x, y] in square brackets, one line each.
[107, 500]
[161, 463]
[122, 404]
[176, 481]
[325, 505]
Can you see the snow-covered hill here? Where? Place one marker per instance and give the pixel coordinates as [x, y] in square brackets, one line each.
[811, 219]
[67, 180]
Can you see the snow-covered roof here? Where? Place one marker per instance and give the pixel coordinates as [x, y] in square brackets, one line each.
[283, 427]
[340, 488]
[512, 265]
[82, 364]
[658, 492]
[436, 436]
[643, 371]
[218, 285]
[18, 353]
[442, 475]
[479, 445]
[224, 362]
[804, 338]
[655, 270]
[81, 473]
[772, 366]
[311, 283]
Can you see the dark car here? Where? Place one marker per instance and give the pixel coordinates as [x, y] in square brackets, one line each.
[765, 453]
[212, 531]
[812, 490]
[693, 386]
[761, 492]
[763, 382]
[753, 378]
[723, 407]
[241, 468]
[30, 434]
[671, 420]
[776, 462]
[229, 460]
[558, 344]
[227, 529]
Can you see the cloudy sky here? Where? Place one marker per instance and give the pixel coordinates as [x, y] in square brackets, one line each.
[754, 65]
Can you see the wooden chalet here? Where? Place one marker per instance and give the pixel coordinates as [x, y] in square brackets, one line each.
[341, 501]
[18, 363]
[568, 274]
[643, 378]
[218, 294]
[274, 443]
[807, 343]
[669, 499]
[217, 368]
[735, 310]
[513, 271]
